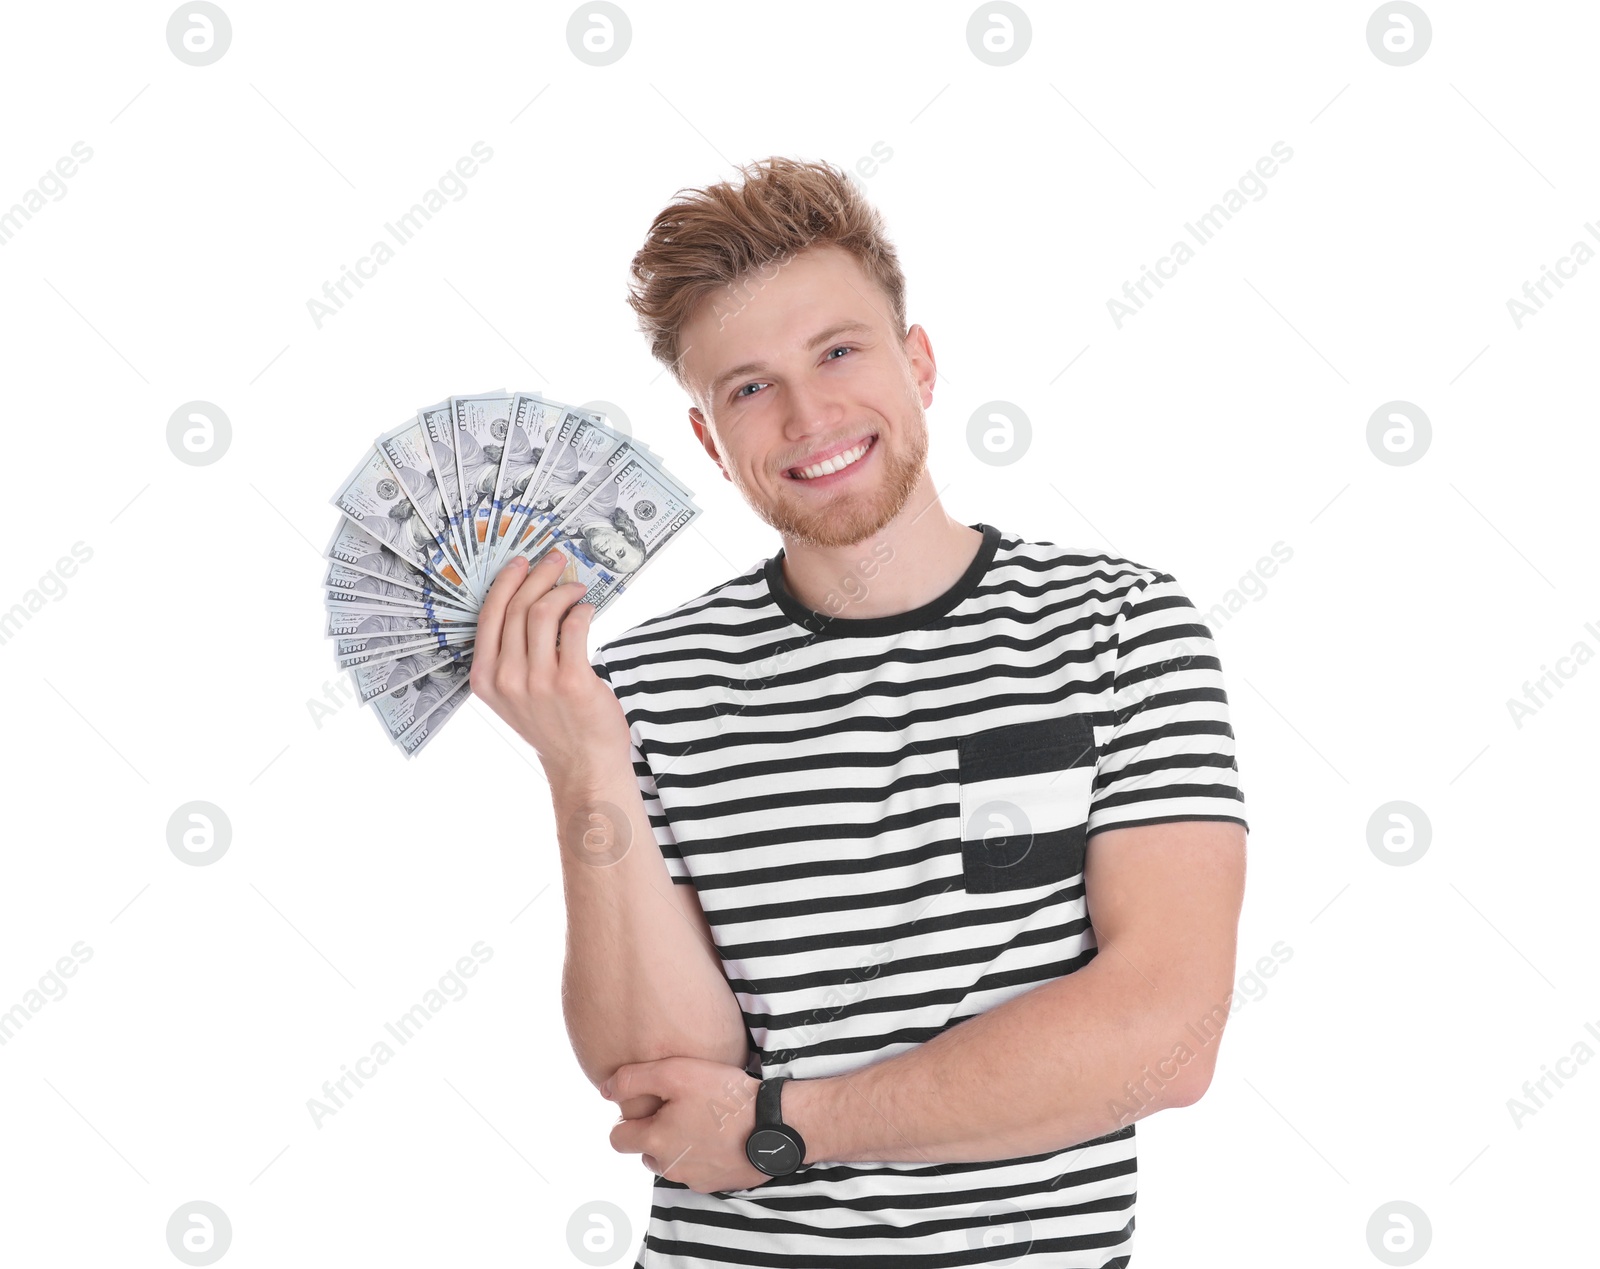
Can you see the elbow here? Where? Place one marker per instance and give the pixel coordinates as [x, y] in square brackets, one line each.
[1201, 1027]
[1186, 1067]
[1194, 1077]
[1194, 1087]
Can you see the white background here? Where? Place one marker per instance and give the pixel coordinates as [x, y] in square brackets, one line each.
[1231, 414]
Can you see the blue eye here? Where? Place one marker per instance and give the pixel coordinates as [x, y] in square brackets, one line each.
[740, 393]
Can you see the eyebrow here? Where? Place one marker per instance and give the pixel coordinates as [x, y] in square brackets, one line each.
[849, 326]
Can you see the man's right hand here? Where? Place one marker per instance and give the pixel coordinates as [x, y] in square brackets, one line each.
[550, 695]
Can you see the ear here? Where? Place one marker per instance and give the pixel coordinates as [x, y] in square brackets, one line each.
[702, 433]
[919, 353]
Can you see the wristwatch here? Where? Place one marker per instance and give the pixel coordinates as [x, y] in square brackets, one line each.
[773, 1146]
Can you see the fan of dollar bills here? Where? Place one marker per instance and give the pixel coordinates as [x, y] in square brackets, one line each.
[443, 502]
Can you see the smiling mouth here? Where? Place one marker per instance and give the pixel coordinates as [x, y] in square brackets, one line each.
[837, 463]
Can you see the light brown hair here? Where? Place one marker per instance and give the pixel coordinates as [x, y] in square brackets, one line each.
[713, 237]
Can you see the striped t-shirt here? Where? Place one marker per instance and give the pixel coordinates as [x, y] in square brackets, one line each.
[885, 820]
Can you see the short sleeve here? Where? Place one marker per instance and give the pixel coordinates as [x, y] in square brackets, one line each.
[1169, 754]
[653, 809]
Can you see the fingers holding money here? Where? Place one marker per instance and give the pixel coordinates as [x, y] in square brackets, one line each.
[557, 590]
[516, 632]
[486, 667]
[573, 657]
[505, 634]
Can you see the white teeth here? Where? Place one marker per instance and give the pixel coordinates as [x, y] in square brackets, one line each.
[837, 463]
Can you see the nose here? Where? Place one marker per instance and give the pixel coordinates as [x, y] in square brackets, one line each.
[812, 409]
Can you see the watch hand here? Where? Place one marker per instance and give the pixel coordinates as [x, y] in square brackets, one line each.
[774, 1150]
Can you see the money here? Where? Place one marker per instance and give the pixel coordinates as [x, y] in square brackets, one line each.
[576, 450]
[409, 703]
[533, 421]
[409, 457]
[634, 510]
[374, 499]
[355, 548]
[441, 503]
[423, 730]
[440, 440]
[481, 425]
[379, 678]
[362, 651]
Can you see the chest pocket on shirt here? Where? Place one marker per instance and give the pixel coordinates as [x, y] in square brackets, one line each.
[1025, 790]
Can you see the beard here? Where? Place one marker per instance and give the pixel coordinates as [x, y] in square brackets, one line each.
[851, 515]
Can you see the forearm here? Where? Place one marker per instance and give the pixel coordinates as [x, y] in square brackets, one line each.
[640, 979]
[1068, 1061]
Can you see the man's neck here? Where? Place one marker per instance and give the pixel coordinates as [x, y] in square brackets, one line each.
[911, 561]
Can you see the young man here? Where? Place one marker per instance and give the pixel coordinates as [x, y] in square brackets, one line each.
[949, 826]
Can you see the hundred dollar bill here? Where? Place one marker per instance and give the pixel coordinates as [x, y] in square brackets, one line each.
[643, 503]
[341, 578]
[481, 425]
[410, 702]
[402, 602]
[537, 529]
[355, 601]
[640, 447]
[355, 548]
[341, 615]
[374, 499]
[345, 585]
[532, 422]
[576, 452]
[375, 678]
[410, 457]
[346, 621]
[358, 649]
[580, 446]
[344, 624]
[440, 433]
[603, 419]
[539, 421]
[418, 734]
[634, 512]
[375, 653]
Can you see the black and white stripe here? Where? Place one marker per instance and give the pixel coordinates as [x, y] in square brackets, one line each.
[885, 820]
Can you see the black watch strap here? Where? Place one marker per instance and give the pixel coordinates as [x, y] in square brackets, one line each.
[769, 1102]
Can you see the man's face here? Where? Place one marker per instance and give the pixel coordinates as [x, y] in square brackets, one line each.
[816, 391]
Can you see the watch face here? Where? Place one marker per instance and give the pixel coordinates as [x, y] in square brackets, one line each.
[772, 1151]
